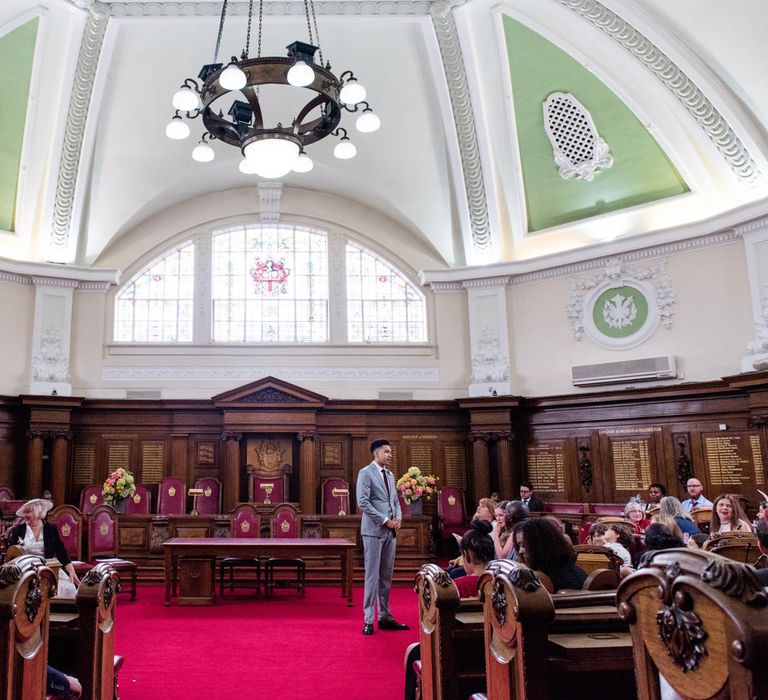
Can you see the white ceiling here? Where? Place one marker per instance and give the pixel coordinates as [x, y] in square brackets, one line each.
[410, 170]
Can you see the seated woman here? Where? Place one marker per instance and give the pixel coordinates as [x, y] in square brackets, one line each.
[543, 548]
[41, 538]
[504, 542]
[486, 510]
[618, 540]
[671, 511]
[728, 516]
[635, 515]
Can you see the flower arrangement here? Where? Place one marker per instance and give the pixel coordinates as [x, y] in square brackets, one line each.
[119, 484]
[413, 485]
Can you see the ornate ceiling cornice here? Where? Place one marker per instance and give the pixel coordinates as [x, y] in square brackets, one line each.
[714, 124]
[213, 9]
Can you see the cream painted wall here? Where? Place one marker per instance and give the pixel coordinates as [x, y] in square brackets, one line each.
[712, 324]
[17, 308]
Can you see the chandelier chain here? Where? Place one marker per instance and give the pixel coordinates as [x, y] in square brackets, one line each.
[261, 24]
[221, 31]
[317, 33]
[309, 26]
[248, 32]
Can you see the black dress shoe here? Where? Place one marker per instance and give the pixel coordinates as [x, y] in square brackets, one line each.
[392, 624]
[367, 629]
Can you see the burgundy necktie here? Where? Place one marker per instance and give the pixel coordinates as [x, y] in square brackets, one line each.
[693, 504]
[386, 481]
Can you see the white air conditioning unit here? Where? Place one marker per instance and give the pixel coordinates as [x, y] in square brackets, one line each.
[643, 370]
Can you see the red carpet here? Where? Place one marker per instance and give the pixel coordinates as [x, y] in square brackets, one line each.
[246, 647]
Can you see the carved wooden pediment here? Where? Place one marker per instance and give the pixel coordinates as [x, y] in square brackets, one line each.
[270, 391]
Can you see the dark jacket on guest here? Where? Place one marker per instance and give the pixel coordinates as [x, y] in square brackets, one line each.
[52, 543]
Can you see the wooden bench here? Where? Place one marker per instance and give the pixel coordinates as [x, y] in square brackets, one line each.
[26, 586]
[701, 622]
[540, 646]
[82, 638]
[738, 546]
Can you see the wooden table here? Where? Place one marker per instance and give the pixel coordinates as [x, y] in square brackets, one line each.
[256, 547]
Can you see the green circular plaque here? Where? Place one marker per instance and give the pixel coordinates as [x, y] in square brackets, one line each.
[620, 312]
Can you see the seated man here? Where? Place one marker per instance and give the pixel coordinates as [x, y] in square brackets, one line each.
[529, 499]
[61, 685]
[697, 498]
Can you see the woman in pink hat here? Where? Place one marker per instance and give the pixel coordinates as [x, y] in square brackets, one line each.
[42, 538]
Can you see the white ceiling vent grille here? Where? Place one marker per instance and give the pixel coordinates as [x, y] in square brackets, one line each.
[577, 148]
[143, 394]
[647, 369]
[395, 395]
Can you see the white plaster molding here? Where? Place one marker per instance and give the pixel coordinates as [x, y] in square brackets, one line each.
[489, 363]
[47, 273]
[447, 287]
[578, 150]
[13, 278]
[54, 282]
[213, 9]
[461, 104]
[753, 226]
[82, 88]
[486, 283]
[270, 194]
[654, 282]
[287, 373]
[698, 105]
[102, 287]
[51, 362]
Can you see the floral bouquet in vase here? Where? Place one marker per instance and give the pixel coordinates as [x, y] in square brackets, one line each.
[413, 485]
[119, 485]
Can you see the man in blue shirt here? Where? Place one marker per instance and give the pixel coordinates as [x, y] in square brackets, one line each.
[696, 499]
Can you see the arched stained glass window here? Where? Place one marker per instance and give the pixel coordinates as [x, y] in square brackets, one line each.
[382, 305]
[156, 306]
[270, 285]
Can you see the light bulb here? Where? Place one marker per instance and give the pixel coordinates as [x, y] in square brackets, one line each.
[301, 75]
[367, 121]
[232, 78]
[303, 163]
[247, 167]
[352, 92]
[177, 129]
[203, 153]
[345, 149]
[272, 157]
[185, 100]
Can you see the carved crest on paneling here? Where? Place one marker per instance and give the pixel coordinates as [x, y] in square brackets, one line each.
[269, 391]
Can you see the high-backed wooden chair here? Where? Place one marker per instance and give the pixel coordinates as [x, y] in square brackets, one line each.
[738, 546]
[702, 516]
[590, 557]
[599, 509]
[69, 522]
[267, 488]
[140, 503]
[6, 493]
[699, 621]
[245, 523]
[90, 497]
[102, 544]
[335, 496]
[451, 513]
[26, 587]
[209, 503]
[286, 524]
[172, 496]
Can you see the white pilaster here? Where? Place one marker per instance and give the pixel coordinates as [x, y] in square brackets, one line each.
[488, 336]
[755, 237]
[51, 336]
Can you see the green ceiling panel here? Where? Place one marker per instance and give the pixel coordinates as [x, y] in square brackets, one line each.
[17, 52]
[641, 172]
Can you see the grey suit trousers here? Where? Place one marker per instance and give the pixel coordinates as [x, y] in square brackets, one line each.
[379, 555]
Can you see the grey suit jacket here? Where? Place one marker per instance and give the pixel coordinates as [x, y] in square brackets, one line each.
[372, 501]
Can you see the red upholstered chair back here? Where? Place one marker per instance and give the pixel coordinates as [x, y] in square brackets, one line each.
[172, 497]
[6, 493]
[210, 502]
[286, 522]
[450, 506]
[268, 490]
[140, 503]
[90, 497]
[102, 532]
[607, 508]
[245, 521]
[335, 496]
[69, 521]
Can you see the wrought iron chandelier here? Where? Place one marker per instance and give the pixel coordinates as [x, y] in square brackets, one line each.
[270, 151]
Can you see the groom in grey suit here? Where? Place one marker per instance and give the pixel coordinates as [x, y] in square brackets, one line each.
[381, 518]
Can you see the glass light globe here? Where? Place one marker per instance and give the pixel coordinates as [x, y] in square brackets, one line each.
[232, 78]
[367, 122]
[301, 74]
[303, 164]
[352, 92]
[177, 129]
[247, 167]
[185, 100]
[345, 150]
[272, 157]
[203, 153]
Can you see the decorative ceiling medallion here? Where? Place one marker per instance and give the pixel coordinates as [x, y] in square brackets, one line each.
[621, 308]
[577, 148]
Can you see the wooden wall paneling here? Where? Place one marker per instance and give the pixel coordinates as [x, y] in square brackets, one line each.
[634, 454]
[678, 461]
[8, 452]
[546, 468]
[760, 423]
[733, 462]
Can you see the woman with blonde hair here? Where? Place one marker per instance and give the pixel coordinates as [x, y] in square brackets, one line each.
[672, 515]
[728, 515]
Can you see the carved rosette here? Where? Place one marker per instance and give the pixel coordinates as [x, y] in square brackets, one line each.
[33, 599]
[682, 633]
[499, 601]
